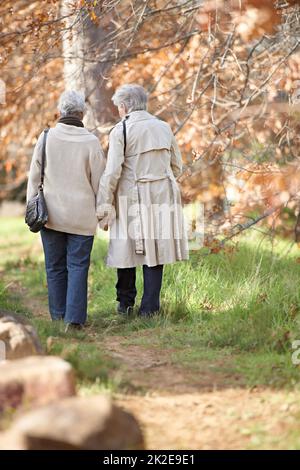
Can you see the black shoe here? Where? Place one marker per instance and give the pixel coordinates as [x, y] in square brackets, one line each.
[148, 314]
[73, 326]
[123, 310]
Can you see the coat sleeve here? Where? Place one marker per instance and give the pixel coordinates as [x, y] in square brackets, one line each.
[110, 178]
[34, 176]
[176, 159]
[97, 166]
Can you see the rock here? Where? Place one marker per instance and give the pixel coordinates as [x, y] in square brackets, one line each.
[35, 380]
[20, 339]
[79, 423]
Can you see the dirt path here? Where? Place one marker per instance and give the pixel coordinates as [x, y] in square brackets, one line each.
[181, 409]
[224, 419]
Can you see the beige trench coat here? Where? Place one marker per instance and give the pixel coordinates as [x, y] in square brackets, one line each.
[140, 189]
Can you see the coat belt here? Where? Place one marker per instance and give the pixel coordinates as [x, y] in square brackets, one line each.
[138, 229]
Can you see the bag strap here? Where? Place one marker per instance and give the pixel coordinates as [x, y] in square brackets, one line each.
[124, 133]
[41, 185]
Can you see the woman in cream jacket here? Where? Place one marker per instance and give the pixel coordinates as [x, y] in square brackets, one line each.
[140, 200]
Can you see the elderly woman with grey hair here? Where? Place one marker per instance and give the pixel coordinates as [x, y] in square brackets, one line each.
[74, 165]
[140, 200]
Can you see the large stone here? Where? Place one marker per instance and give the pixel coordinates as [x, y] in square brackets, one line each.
[19, 338]
[79, 423]
[35, 380]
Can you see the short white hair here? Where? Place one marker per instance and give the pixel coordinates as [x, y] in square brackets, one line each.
[133, 96]
[71, 102]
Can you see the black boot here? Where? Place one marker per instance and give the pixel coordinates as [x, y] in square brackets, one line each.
[123, 310]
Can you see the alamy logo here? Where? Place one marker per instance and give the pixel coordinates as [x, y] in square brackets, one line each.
[2, 351]
[2, 92]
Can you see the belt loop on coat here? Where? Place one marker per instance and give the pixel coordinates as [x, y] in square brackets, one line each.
[176, 221]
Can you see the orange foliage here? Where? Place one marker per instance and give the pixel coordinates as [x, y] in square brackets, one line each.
[202, 66]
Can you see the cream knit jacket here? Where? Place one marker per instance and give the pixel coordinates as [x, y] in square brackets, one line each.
[74, 164]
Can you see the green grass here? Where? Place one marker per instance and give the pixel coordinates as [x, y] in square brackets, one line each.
[242, 307]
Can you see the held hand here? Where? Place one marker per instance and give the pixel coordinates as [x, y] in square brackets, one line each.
[104, 224]
[106, 215]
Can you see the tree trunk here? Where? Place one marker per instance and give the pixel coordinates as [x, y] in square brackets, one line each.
[82, 71]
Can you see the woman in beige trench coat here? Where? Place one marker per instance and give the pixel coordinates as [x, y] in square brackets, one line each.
[140, 200]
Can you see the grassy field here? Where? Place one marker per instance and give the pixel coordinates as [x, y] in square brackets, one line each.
[214, 369]
[238, 309]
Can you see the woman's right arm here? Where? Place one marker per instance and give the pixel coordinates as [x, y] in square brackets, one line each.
[97, 165]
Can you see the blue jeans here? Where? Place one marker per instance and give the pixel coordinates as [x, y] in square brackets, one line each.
[67, 260]
[126, 290]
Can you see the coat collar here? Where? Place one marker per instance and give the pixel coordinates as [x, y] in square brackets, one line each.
[135, 116]
[71, 130]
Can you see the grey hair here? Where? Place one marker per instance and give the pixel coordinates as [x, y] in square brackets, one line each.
[71, 102]
[134, 97]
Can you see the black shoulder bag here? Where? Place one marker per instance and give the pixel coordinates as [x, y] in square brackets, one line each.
[36, 211]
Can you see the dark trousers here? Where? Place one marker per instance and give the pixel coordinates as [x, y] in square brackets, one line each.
[67, 260]
[126, 290]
